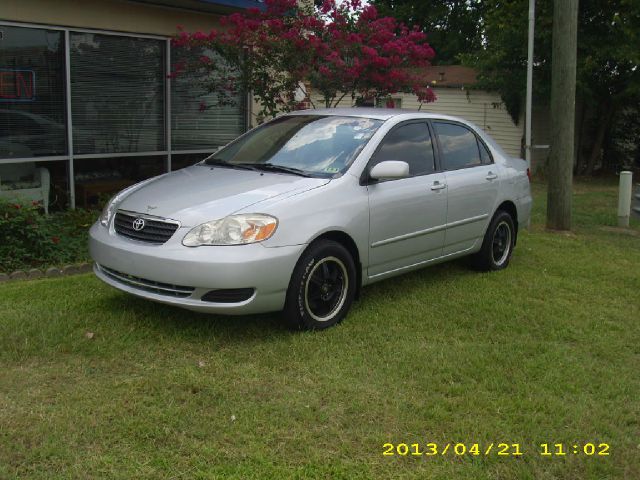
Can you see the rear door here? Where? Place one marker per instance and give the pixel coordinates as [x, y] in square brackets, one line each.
[407, 215]
[472, 183]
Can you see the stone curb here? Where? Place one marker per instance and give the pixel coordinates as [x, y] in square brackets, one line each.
[51, 272]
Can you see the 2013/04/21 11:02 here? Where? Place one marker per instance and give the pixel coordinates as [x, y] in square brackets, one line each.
[500, 449]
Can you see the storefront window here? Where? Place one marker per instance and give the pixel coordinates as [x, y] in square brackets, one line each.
[98, 179]
[46, 183]
[117, 94]
[32, 104]
[186, 160]
[198, 119]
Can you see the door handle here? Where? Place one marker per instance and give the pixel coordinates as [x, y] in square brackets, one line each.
[491, 176]
[438, 186]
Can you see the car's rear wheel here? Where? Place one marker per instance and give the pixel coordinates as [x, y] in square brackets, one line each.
[322, 287]
[498, 243]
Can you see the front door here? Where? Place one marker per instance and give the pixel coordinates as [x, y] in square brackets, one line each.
[408, 215]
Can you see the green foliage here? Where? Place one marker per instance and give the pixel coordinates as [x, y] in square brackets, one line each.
[608, 49]
[29, 239]
[492, 36]
[23, 236]
[608, 54]
[624, 148]
[502, 62]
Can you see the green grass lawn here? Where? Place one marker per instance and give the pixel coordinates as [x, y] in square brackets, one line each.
[547, 351]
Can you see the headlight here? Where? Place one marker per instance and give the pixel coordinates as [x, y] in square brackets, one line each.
[232, 230]
[108, 211]
[112, 205]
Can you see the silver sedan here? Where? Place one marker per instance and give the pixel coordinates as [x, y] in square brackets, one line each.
[299, 214]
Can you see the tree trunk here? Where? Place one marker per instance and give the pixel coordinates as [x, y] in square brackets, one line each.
[603, 126]
[563, 109]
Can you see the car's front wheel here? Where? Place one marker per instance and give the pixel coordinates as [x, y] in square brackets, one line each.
[322, 287]
[498, 243]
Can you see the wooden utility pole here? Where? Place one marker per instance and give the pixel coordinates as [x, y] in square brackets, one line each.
[563, 106]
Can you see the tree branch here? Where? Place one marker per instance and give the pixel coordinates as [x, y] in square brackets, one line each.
[335, 105]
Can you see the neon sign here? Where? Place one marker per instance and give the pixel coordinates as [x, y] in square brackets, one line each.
[17, 85]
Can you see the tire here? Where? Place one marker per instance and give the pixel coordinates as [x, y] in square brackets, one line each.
[497, 245]
[322, 287]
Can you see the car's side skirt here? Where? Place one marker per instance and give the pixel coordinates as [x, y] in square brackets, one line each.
[416, 266]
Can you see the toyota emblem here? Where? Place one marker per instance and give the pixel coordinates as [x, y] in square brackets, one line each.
[138, 224]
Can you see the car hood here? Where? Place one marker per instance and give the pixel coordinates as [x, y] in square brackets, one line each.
[202, 193]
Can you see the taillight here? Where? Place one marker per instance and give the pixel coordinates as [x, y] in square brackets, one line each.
[529, 174]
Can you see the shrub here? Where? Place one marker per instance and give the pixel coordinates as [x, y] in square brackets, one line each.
[23, 238]
[28, 239]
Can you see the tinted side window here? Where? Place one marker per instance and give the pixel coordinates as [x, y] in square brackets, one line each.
[459, 146]
[409, 143]
[485, 156]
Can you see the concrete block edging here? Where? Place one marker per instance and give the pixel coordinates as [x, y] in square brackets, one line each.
[50, 272]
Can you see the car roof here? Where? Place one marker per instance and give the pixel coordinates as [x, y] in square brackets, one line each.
[375, 113]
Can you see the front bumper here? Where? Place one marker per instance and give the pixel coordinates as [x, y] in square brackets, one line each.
[202, 269]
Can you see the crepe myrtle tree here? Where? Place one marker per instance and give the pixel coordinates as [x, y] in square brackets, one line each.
[340, 48]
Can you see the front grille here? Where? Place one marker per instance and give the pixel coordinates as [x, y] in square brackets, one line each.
[151, 286]
[154, 231]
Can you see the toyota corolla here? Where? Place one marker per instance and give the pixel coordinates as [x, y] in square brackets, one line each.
[299, 214]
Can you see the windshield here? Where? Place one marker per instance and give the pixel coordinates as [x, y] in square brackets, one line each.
[315, 145]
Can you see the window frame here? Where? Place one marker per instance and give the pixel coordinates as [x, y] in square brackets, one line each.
[479, 141]
[365, 179]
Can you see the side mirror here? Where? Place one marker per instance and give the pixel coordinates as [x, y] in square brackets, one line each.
[389, 170]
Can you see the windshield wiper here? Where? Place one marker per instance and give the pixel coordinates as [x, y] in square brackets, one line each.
[215, 162]
[270, 167]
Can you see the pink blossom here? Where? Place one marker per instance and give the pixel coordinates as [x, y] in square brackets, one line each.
[369, 13]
